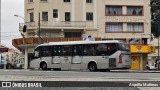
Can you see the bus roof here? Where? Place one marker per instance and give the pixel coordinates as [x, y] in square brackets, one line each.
[78, 42]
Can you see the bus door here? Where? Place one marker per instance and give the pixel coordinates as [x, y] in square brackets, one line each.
[76, 57]
[66, 54]
[35, 61]
[46, 56]
[102, 56]
[56, 58]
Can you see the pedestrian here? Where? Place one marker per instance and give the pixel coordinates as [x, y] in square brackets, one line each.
[147, 66]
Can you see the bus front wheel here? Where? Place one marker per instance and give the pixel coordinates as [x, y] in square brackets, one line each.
[44, 66]
[92, 66]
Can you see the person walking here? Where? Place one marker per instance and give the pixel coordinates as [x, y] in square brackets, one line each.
[147, 66]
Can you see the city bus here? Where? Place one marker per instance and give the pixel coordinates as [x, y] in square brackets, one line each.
[82, 55]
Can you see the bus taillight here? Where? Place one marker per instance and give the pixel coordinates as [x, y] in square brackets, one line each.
[120, 58]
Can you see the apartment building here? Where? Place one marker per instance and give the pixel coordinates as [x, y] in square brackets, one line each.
[9, 55]
[66, 20]
[128, 21]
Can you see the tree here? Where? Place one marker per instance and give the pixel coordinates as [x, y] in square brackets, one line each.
[155, 17]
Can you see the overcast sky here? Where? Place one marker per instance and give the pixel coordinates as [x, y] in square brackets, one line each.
[10, 23]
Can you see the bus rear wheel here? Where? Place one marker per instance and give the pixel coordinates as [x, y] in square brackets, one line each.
[44, 66]
[92, 66]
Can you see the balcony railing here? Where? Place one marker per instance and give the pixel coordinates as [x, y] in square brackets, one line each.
[54, 24]
[29, 24]
[64, 24]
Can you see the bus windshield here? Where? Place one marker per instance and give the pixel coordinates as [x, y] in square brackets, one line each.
[123, 47]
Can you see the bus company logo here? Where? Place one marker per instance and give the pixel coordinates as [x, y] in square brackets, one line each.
[152, 49]
[139, 47]
[6, 84]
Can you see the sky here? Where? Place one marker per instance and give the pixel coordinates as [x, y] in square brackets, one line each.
[10, 23]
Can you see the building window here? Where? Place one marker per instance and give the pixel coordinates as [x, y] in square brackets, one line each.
[114, 27]
[44, 0]
[30, 1]
[72, 34]
[49, 34]
[89, 16]
[135, 27]
[55, 13]
[44, 16]
[31, 15]
[67, 16]
[114, 10]
[66, 0]
[89, 1]
[134, 10]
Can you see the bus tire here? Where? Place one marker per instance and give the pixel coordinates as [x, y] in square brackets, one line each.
[108, 70]
[92, 66]
[56, 69]
[43, 66]
[103, 70]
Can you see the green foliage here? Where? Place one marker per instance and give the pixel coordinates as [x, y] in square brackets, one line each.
[155, 17]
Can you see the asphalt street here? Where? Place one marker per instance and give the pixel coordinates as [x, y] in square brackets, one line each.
[83, 74]
[38, 75]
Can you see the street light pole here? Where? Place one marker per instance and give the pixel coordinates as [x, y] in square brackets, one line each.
[26, 49]
[20, 17]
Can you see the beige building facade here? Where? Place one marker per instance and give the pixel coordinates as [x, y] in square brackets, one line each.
[126, 20]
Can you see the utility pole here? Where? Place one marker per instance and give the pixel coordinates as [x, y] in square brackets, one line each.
[39, 31]
[0, 33]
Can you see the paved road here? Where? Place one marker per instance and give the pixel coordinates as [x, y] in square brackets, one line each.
[83, 74]
[37, 75]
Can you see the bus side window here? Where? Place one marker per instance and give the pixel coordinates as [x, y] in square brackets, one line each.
[89, 50]
[56, 50]
[66, 50]
[77, 50]
[102, 49]
[112, 48]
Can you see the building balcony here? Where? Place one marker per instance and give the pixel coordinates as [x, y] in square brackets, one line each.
[56, 25]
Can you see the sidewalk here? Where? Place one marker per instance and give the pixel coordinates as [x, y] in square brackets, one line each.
[137, 71]
[145, 71]
[121, 71]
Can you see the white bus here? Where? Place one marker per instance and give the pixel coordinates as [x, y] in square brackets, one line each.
[82, 55]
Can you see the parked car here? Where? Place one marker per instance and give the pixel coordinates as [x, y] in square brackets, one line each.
[17, 66]
[152, 68]
[2, 63]
[9, 65]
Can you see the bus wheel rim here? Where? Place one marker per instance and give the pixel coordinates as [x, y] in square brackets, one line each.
[44, 66]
